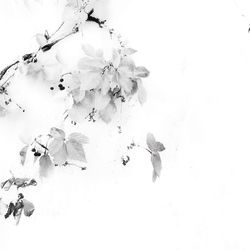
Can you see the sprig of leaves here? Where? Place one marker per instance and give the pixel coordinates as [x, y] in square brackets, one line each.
[100, 85]
[154, 148]
[19, 207]
[58, 150]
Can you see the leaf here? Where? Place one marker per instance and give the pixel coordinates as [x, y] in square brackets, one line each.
[75, 150]
[141, 72]
[156, 162]
[28, 208]
[90, 80]
[101, 101]
[45, 165]
[41, 40]
[126, 84]
[108, 113]
[89, 50]
[55, 145]
[60, 157]
[24, 182]
[23, 154]
[57, 133]
[142, 93]
[79, 138]
[159, 147]
[78, 94]
[6, 185]
[129, 51]
[21, 182]
[153, 145]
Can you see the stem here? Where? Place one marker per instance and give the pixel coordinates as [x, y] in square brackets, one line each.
[51, 44]
[144, 148]
[4, 71]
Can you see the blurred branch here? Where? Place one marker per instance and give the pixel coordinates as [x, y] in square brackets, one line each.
[31, 56]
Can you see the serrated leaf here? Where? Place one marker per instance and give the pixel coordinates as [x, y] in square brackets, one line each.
[55, 145]
[108, 113]
[101, 101]
[60, 157]
[153, 145]
[90, 80]
[28, 208]
[45, 165]
[89, 50]
[78, 94]
[57, 133]
[159, 146]
[151, 141]
[79, 138]
[75, 150]
[156, 162]
[23, 154]
[141, 72]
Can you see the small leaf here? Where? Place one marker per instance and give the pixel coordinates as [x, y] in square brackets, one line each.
[153, 145]
[108, 113]
[57, 133]
[75, 150]
[156, 162]
[28, 208]
[79, 138]
[45, 165]
[141, 72]
[159, 146]
[23, 154]
[78, 94]
[151, 141]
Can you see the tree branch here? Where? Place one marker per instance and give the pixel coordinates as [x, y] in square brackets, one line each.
[47, 47]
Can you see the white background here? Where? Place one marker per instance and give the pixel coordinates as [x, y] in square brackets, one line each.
[198, 105]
